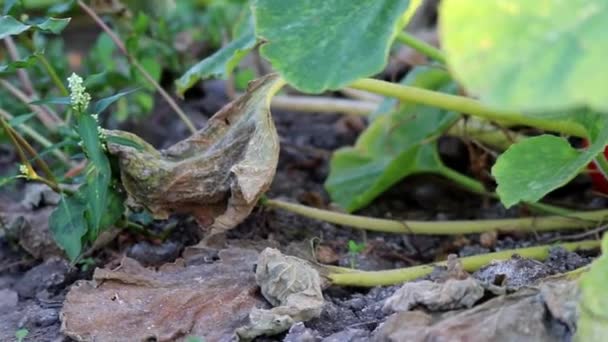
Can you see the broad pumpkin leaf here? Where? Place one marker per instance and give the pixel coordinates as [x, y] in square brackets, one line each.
[532, 168]
[10, 26]
[98, 173]
[391, 148]
[68, 225]
[529, 55]
[317, 45]
[593, 304]
[220, 64]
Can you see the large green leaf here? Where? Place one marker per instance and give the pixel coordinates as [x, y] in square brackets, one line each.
[593, 305]
[393, 147]
[317, 45]
[220, 64]
[68, 226]
[529, 55]
[10, 26]
[530, 169]
[98, 173]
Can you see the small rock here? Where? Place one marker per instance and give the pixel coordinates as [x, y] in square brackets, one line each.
[349, 335]
[299, 333]
[47, 276]
[8, 300]
[513, 273]
[150, 254]
[40, 317]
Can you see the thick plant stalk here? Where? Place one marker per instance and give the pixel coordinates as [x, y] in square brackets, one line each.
[576, 220]
[465, 105]
[347, 277]
[121, 46]
[421, 46]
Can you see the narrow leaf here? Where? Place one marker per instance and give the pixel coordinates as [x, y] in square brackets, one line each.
[104, 103]
[10, 26]
[219, 65]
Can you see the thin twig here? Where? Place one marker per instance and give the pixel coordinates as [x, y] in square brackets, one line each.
[22, 74]
[39, 138]
[316, 104]
[137, 65]
[48, 117]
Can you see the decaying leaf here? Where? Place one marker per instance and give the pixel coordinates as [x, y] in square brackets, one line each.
[133, 303]
[290, 284]
[459, 290]
[522, 316]
[218, 174]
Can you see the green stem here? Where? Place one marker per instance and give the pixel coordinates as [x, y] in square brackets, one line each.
[53, 74]
[464, 181]
[470, 264]
[421, 46]
[465, 105]
[530, 224]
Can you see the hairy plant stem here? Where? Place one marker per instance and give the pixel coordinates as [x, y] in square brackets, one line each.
[121, 46]
[465, 105]
[421, 46]
[347, 277]
[575, 220]
[39, 138]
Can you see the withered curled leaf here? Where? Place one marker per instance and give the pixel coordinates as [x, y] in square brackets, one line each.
[290, 284]
[217, 174]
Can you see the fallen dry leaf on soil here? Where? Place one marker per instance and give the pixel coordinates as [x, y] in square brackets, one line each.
[290, 284]
[218, 174]
[133, 303]
[527, 315]
[458, 290]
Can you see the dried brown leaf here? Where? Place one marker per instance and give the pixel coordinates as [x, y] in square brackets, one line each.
[133, 303]
[290, 284]
[218, 174]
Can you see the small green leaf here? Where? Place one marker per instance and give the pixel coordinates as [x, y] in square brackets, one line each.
[532, 168]
[125, 142]
[529, 55]
[593, 304]
[220, 64]
[21, 334]
[8, 5]
[104, 103]
[391, 148]
[68, 226]
[98, 171]
[19, 64]
[10, 26]
[318, 45]
[53, 25]
[21, 119]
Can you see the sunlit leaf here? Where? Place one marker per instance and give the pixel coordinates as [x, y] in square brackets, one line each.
[528, 55]
[318, 45]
